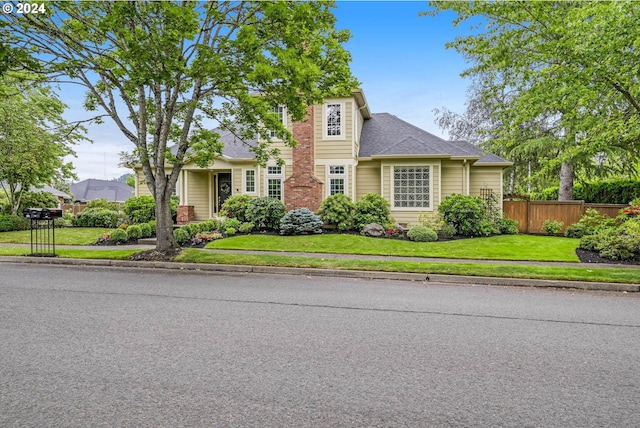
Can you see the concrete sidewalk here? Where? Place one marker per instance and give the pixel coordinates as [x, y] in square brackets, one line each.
[430, 278]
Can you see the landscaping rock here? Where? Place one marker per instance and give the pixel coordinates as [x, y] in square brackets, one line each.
[374, 230]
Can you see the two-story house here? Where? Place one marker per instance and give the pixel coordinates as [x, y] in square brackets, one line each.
[343, 148]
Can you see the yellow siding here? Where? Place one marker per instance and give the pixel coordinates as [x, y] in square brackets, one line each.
[486, 178]
[367, 179]
[452, 178]
[334, 148]
[141, 184]
[236, 181]
[198, 189]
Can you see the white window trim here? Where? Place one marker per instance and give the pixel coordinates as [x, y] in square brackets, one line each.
[344, 176]
[274, 176]
[343, 110]
[284, 123]
[392, 189]
[256, 186]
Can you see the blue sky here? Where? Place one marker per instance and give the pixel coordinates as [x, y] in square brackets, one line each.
[399, 58]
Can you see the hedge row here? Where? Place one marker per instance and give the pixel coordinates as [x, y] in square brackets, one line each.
[601, 192]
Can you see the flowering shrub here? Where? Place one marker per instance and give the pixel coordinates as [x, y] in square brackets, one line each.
[632, 211]
[236, 207]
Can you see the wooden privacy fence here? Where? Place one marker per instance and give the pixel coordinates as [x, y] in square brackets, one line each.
[531, 215]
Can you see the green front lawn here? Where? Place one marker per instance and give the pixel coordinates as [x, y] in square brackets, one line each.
[64, 236]
[503, 247]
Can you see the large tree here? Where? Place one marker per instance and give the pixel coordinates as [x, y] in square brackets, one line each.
[161, 69]
[572, 67]
[34, 138]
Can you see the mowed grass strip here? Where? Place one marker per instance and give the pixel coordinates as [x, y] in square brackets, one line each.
[63, 236]
[503, 247]
[591, 274]
[107, 254]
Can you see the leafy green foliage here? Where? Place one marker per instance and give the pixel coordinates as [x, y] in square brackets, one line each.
[337, 210]
[118, 235]
[422, 234]
[233, 223]
[468, 214]
[266, 212]
[141, 209]
[134, 232]
[236, 207]
[300, 222]
[145, 230]
[98, 217]
[589, 223]
[507, 226]
[181, 236]
[10, 222]
[372, 208]
[552, 227]
[103, 203]
[246, 227]
[601, 192]
[230, 231]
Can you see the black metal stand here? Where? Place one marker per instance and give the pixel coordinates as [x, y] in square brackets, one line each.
[43, 238]
[43, 230]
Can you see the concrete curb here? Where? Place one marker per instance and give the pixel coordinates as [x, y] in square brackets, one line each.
[430, 278]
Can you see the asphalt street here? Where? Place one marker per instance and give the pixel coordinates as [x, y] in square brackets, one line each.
[115, 347]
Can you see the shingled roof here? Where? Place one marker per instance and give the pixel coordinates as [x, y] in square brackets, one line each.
[91, 189]
[386, 135]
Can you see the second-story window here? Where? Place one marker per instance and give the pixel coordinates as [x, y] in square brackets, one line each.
[280, 111]
[334, 120]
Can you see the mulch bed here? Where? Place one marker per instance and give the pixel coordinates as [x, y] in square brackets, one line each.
[586, 256]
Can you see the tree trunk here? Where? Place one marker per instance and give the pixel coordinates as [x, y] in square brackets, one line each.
[566, 182]
[512, 180]
[165, 242]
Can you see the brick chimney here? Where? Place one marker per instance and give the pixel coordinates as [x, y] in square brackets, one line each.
[303, 189]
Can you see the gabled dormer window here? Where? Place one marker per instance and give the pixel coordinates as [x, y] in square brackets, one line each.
[334, 120]
[280, 110]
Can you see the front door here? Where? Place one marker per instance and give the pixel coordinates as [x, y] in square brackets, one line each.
[224, 188]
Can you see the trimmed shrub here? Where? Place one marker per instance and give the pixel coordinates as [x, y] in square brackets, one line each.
[103, 203]
[134, 232]
[620, 247]
[266, 212]
[142, 209]
[10, 223]
[300, 222]
[145, 230]
[589, 223]
[232, 223]
[601, 192]
[246, 227]
[552, 227]
[181, 236]
[98, 217]
[236, 207]
[209, 225]
[119, 236]
[467, 214]
[422, 234]
[372, 208]
[576, 230]
[230, 231]
[337, 210]
[507, 226]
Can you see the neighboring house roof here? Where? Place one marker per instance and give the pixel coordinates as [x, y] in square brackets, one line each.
[234, 148]
[385, 135]
[91, 189]
[46, 189]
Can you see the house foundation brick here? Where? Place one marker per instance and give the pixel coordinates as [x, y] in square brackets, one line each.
[185, 214]
[303, 189]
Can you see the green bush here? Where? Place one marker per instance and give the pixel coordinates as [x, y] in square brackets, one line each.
[552, 227]
[233, 223]
[134, 232]
[468, 214]
[422, 234]
[145, 230]
[507, 226]
[194, 228]
[209, 225]
[589, 223]
[103, 203]
[300, 222]
[372, 208]
[266, 212]
[142, 209]
[118, 235]
[246, 227]
[152, 223]
[337, 210]
[10, 223]
[230, 231]
[602, 192]
[98, 217]
[181, 236]
[236, 207]
[620, 247]
[576, 230]
[37, 200]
